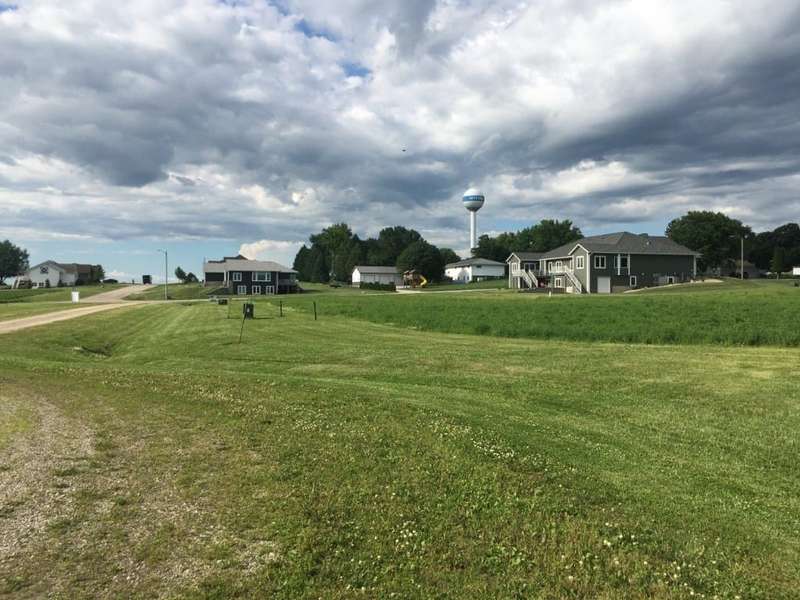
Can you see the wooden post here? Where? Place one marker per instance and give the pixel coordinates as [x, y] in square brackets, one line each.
[241, 331]
[315, 310]
[280, 307]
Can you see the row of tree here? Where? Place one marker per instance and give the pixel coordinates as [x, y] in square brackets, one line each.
[719, 239]
[336, 250]
[542, 237]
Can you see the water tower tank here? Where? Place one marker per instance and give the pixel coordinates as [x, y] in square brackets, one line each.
[473, 199]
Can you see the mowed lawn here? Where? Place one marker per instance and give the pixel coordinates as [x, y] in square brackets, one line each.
[20, 310]
[145, 452]
[732, 313]
[62, 294]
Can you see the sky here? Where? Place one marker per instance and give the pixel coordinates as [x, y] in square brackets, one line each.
[214, 127]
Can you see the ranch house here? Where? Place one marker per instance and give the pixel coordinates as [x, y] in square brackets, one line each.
[474, 269]
[250, 277]
[604, 264]
[53, 274]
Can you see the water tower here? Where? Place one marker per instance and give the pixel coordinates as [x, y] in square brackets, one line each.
[473, 200]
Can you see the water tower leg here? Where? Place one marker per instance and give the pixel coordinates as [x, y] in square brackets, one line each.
[473, 240]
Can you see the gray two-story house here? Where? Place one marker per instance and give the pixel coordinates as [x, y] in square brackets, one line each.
[243, 276]
[604, 264]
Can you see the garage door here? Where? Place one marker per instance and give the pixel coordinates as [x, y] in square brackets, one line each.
[604, 285]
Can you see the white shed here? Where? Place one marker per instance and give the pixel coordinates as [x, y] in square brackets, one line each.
[796, 271]
[383, 275]
[474, 269]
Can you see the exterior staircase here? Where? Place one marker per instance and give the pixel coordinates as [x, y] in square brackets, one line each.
[576, 283]
[529, 278]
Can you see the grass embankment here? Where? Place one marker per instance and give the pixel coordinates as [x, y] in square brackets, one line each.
[755, 314]
[54, 294]
[176, 291]
[30, 309]
[340, 459]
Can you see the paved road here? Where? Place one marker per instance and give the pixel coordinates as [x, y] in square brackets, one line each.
[102, 302]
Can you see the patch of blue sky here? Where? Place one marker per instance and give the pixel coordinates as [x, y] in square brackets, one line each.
[353, 69]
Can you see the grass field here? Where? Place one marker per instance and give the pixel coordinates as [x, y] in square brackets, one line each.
[146, 453]
[757, 313]
[53, 294]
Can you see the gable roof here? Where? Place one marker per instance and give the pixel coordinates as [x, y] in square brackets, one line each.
[626, 243]
[244, 264]
[77, 268]
[377, 269]
[526, 255]
[469, 262]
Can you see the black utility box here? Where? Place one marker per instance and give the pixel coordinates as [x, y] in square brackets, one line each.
[248, 309]
[222, 301]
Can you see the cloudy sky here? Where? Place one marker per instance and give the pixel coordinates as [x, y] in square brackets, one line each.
[209, 126]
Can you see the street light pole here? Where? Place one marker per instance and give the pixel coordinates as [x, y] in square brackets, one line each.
[741, 270]
[166, 271]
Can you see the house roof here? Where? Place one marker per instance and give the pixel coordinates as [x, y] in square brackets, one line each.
[244, 264]
[469, 262]
[376, 269]
[78, 268]
[624, 242]
[526, 255]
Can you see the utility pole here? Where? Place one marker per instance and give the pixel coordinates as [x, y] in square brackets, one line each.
[741, 270]
[166, 271]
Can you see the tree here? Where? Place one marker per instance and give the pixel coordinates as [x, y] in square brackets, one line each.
[97, 274]
[423, 257]
[776, 266]
[448, 256]
[763, 245]
[546, 235]
[318, 272]
[715, 235]
[13, 260]
[495, 248]
[392, 241]
[302, 263]
[191, 278]
[180, 274]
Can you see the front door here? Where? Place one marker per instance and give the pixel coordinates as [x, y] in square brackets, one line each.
[604, 285]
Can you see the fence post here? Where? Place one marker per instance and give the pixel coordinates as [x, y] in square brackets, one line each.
[280, 307]
[315, 310]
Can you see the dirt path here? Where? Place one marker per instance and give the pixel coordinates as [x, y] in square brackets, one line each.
[54, 317]
[117, 295]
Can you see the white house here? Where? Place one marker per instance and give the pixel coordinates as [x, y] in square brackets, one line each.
[52, 274]
[382, 275]
[474, 269]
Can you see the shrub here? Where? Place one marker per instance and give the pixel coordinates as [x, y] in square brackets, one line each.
[383, 287]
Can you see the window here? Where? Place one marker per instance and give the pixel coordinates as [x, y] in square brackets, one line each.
[559, 282]
[670, 280]
[559, 265]
[241, 289]
[599, 261]
[633, 281]
[579, 262]
[262, 276]
[256, 289]
[621, 262]
[237, 276]
[43, 270]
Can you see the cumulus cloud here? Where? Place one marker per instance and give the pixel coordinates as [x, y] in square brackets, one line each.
[266, 121]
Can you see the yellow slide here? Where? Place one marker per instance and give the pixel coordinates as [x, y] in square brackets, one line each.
[424, 281]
